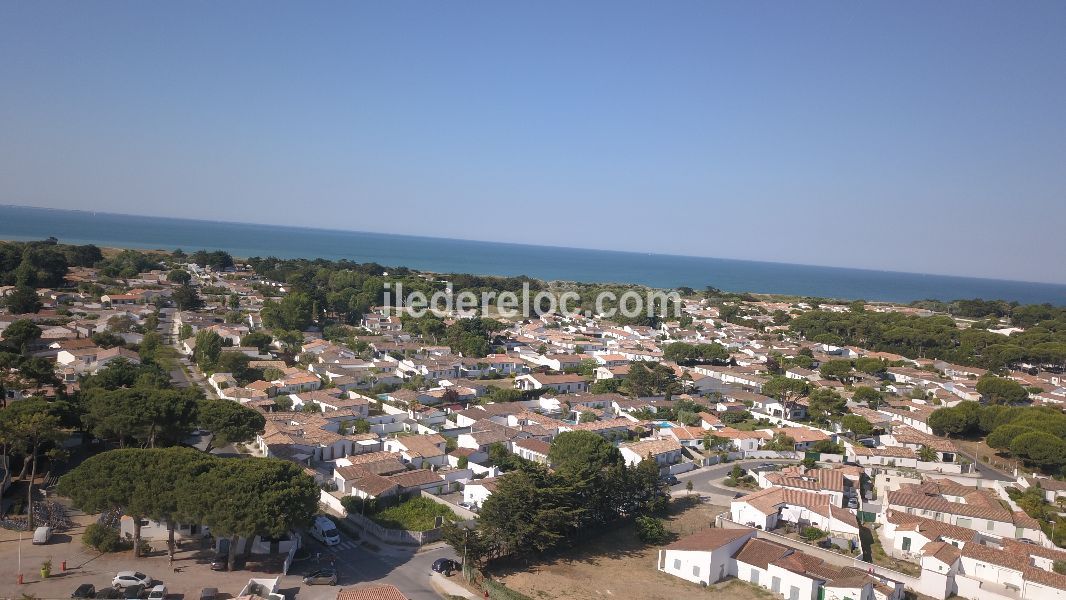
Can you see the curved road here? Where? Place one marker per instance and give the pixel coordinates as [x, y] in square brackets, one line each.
[704, 479]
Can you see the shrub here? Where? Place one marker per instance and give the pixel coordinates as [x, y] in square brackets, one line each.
[651, 531]
[499, 591]
[812, 533]
[355, 505]
[103, 538]
[416, 514]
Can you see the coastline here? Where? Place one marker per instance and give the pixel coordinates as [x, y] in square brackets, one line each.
[545, 263]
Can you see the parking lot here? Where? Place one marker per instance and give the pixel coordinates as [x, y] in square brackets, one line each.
[354, 561]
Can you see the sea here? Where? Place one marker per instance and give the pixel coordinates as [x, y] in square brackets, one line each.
[441, 255]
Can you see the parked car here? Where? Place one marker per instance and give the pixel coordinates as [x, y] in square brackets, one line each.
[208, 594]
[221, 560]
[671, 480]
[127, 578]
[85, 590]
[133, 592]
[42, 534]
[322, 577]
[159, 592]
[446, 566]
[109, 593]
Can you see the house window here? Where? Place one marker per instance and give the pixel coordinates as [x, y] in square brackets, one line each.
[696, 571]
[677, 564]
[963, 522]
[906, 544]
[990, 525]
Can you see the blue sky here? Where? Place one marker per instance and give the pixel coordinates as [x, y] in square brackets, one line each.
[914, 136]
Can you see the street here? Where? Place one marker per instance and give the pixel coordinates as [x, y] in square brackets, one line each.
[986, 471]
[705, 480]
[406, 569]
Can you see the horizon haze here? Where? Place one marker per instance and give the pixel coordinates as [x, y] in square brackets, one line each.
[910, 138]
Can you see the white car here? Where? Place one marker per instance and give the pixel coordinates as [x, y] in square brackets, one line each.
[159, 592]
[127, 578]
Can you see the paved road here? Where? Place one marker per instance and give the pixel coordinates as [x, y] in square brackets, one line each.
[706, 480]
[986, 471]
[406, 569]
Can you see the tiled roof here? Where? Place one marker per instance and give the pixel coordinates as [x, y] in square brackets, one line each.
[929, 528]
[920, 501]
[607, 424]
[761, 553]
[377, 591]
[426, 446]
[942, 551]
[1018, 561]
[653, 447]
[709, 539]
[538, 446]
[815, 479]
[803, 434]
[415, 478]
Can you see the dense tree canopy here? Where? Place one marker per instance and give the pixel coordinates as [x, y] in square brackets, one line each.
[1000, 390]
[1005, 425]
[536, 510]
[689, 354]
[1043, 342]
[230, 422]
[232, 496]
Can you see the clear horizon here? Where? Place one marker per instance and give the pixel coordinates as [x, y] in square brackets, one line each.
[390, 233]
[909, 138]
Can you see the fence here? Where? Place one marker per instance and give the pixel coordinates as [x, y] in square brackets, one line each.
[288, 559]
[394, 536]
[756, 454]
[680, 468]
[333, 503]
[459, 510]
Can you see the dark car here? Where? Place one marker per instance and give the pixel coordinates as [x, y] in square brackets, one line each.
[109, 593]
[322, 577]
[85, 590]
[671, 480]
[446, 566]
[134, 592]
[208, 594]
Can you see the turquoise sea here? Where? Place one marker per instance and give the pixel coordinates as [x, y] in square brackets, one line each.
[492, 258]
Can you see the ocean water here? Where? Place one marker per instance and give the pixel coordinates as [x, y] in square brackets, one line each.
[491, 258]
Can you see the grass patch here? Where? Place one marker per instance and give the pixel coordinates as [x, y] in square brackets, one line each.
[499, 591]
[416, 514]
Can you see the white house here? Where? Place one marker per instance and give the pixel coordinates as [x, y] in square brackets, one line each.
[706, 556]
[711, 555]
[665, 451]
[476, 491]
[563, 384]
[765, 509]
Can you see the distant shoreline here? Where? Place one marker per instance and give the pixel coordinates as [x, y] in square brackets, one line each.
[547, 263]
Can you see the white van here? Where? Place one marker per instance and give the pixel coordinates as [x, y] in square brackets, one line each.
[42, 534]
[325, 531]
